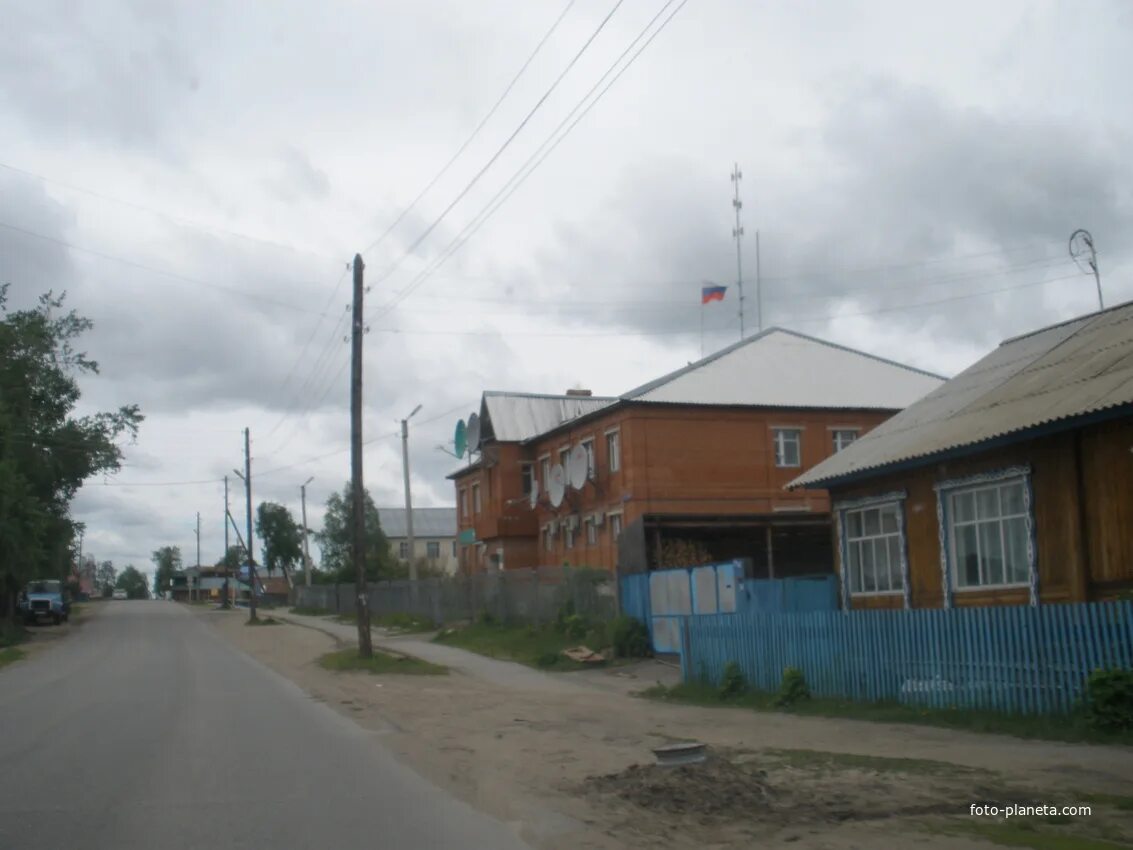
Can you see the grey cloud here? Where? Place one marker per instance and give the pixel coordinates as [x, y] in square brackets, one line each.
[299, 179]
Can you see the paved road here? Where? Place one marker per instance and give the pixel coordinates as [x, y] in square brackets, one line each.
[144, 730]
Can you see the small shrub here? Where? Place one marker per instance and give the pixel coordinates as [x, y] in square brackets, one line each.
[629, 637]
[574, 627]
[732, 684]
[598, 637]
[793, 688]
[1109, 700]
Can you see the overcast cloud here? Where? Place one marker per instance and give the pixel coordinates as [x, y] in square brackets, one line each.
[196, 177]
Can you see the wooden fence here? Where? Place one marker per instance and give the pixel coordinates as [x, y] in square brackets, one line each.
[1030, 660]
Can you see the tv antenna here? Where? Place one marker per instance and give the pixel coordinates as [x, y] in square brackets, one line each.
[1085, 255]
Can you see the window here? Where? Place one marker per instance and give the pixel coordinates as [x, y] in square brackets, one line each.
[615, 526]
[432, 549]
[591, 468]
[614, 450]
[843, 437]
[788, 442]
[988, 526]
[528, 472]
[545, 463]
[568, 536]
[591, 532]
[873, 549]
[564, 456]
[463, 502]
[476, 498]
[403, 550]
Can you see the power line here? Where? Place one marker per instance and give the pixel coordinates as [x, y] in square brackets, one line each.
[181, 222]
[489, 209]
[162, 272]
[499, 152]
[475, 132]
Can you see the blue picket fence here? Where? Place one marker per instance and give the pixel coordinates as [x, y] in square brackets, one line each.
[1027, 660]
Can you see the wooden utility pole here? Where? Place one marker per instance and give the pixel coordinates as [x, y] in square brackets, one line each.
[198, 559]
[306, 551]
[248, 500]
[365, 647]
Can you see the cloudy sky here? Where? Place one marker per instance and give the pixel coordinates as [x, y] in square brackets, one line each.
[196, 177]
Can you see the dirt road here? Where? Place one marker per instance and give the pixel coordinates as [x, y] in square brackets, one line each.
[559, 762]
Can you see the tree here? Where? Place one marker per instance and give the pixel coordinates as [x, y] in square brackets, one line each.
[133, 582]
[233, 559]
[282, 537]
[105, 578]
[46, 451]
[336, 541]
[167, 561]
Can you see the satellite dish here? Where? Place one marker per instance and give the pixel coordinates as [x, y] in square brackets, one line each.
[578, 467]
[472, 432]
[533, 496]
[557, 487]
[460, 439]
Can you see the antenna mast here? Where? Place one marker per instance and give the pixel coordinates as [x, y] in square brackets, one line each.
[738, 232]
[1082, 250]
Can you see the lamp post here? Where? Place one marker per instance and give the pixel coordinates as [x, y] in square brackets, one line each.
[306, 552]
[408, 498]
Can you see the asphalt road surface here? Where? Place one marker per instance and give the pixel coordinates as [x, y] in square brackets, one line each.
[144, 730]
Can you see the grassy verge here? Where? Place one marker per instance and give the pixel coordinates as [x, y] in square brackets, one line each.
[308, 611]
[10, 654]
[381, 662]
[1072, 728]
[406, 623]
[530, 645]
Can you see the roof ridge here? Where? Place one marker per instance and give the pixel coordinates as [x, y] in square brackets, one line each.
[1084, 317]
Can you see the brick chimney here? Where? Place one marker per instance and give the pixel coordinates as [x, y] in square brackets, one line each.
[582, 393]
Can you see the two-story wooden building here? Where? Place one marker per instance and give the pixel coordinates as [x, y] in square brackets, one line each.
[700, 455]
[1010, 484]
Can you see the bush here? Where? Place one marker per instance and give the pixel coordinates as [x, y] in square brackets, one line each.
[629, 637]
[1109, 699]
[793, 688]
[574, 627]
[732, 684]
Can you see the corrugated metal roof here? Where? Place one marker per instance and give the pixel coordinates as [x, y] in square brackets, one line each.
[781, 368]
[1067, 370]
[427, 522]
[514, 417]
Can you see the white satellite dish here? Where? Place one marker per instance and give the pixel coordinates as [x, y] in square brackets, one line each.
[472, 433]
[533, 496]
[557, 488]
[579, 467]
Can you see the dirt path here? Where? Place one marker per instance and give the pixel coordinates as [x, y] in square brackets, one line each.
[535, 757]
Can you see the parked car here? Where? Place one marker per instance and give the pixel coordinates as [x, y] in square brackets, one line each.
[120, 594]
[45, 599]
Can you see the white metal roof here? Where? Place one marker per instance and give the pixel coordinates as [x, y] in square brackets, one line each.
[514, 417]
[781, 368]
[1064, 371]
[427, 522]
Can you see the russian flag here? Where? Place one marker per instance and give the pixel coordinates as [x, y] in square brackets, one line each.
[712, 293]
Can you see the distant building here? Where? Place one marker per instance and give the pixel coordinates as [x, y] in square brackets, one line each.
[434, 535]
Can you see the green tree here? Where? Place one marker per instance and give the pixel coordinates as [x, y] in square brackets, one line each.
[133, 582]
[166, 561]
[105, 578]
[281, 535]
[233, 559]
[46, 451]
[335, 540]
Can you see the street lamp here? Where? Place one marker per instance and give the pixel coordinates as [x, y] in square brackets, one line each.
[408, 498]
[306, 553]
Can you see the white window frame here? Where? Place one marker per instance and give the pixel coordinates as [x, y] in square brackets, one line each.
[591, 458]
[946, 491]
[476, 503]
[568, 536]
[618, 518]
[527, 476]
[841, 509]
[403, 550]
[464, 503]
[778, 441]
[614, 449]
[564, 456]
[545, 471]
[432, 544]
[591, 532]
[836, 434]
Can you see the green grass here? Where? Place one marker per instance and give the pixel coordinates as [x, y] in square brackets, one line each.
[308, 611]
[381, 662]
[1073, 728]
[405, 622]
[1025, 833]
[10, 655]
[12, 633]
[531, 645]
